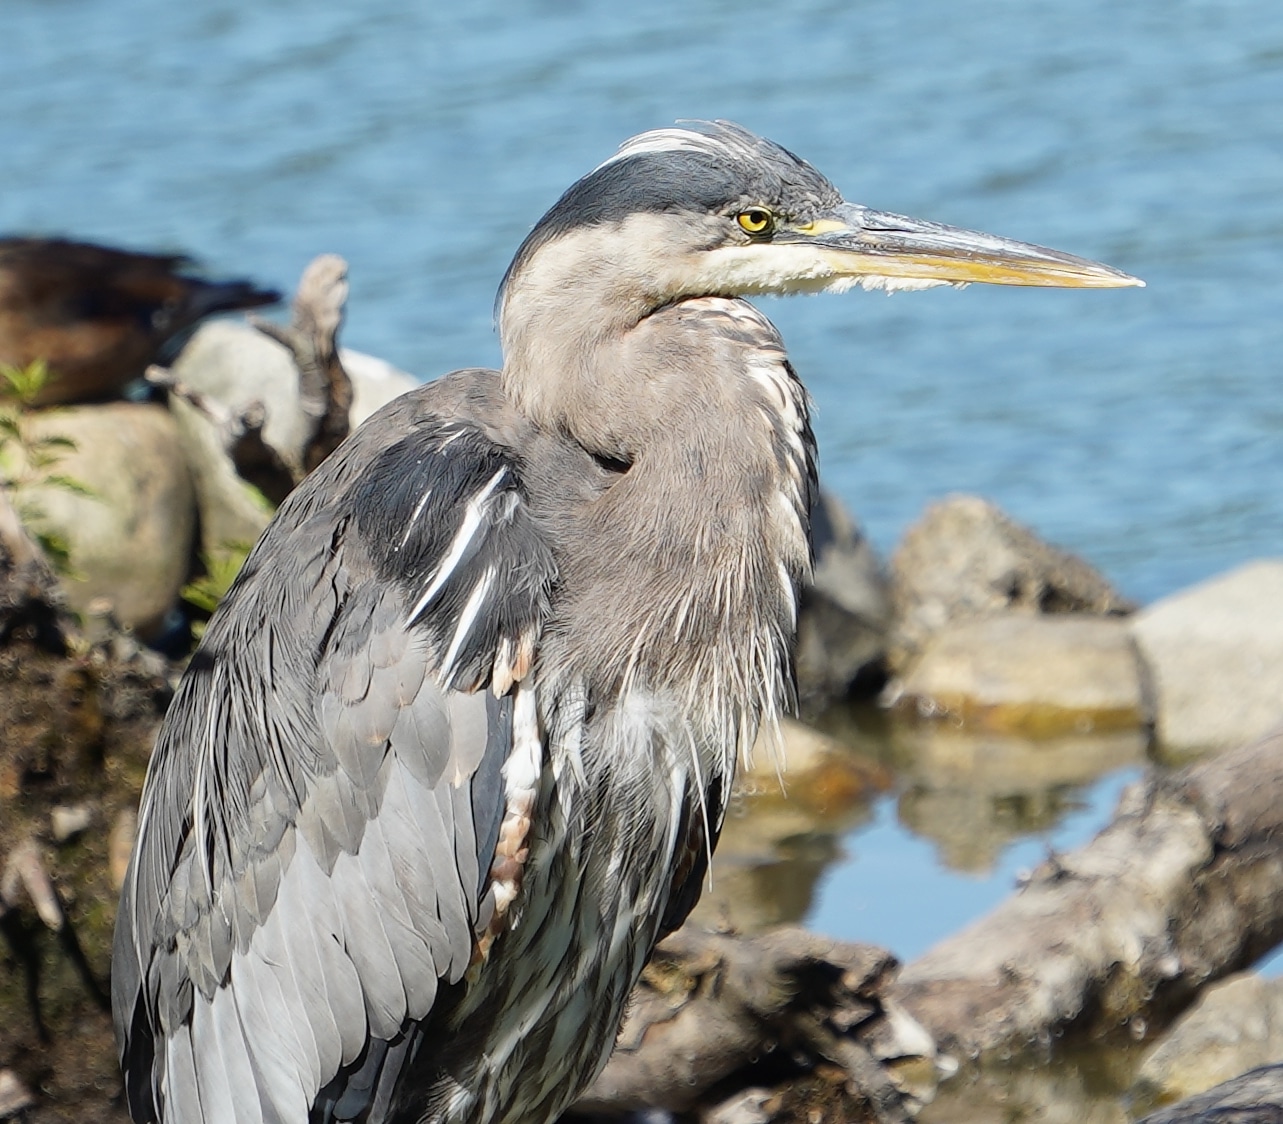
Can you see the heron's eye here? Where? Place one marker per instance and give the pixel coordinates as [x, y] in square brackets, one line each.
[756, 220]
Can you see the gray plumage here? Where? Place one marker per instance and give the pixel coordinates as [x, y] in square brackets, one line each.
[454, 752]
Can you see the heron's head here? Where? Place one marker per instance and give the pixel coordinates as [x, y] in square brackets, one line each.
[708, 208]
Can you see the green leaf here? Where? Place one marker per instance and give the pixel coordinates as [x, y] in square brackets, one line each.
[70, 484]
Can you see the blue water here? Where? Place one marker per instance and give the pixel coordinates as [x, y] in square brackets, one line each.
[1143, 428]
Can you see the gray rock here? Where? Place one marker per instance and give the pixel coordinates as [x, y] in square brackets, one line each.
[1215, 652]
[130, 540]
[1032, 675]
[965, 558]
[844, 617]
[1236, 1025]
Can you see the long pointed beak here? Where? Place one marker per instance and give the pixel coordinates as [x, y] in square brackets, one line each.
[859, 242]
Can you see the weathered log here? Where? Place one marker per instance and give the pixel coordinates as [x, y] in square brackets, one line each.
[1254, 1098]
[1183, 887]
[325, 391]
[784, 1026]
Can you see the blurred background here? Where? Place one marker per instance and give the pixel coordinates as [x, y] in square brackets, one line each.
[1139, 428]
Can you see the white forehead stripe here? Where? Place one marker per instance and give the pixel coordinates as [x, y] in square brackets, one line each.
[665, 140]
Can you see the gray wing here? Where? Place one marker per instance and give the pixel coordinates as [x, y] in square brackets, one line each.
[322, 806]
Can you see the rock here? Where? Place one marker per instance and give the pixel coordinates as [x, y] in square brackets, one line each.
[844, 617]
[1236, 1025]
[965, 558]
[1215, 652]
[130, 539]
[1031, 675]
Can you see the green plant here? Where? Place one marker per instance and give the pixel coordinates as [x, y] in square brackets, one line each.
[221, 567]
[28, 459]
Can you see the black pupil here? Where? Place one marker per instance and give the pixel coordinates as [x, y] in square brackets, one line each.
[757, 218]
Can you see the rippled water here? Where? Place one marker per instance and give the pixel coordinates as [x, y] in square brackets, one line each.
[1143, 428]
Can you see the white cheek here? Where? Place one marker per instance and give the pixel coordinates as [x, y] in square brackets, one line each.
[764, 268]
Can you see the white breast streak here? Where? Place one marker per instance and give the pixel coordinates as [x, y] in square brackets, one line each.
[521, 773]
[472, 519]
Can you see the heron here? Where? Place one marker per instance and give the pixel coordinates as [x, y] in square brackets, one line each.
[455, 750]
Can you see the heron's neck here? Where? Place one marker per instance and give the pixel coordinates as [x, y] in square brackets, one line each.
[685, 570]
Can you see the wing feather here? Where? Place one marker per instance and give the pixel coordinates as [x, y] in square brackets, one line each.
[322, 807]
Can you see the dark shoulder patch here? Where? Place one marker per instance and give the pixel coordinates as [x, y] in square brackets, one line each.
[442, 514]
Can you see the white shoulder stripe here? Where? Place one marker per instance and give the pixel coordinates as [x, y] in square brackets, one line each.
[467, 619]
[472, 520]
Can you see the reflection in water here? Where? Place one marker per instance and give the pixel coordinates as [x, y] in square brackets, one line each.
[781, 833]
[1084, 1088]
[974, 793]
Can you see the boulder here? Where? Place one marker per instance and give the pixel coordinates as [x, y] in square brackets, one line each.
[1215, 652]
[965, 558]
[1034, 675]
[845, 615]
[127, 509]
[1236, 1025]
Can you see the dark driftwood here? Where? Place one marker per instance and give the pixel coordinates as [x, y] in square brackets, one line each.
[785, 1026]
[325, 389]
[1183, 887]
[1254, 1098]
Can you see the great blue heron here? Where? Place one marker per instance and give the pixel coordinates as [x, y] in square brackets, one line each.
[455, 750]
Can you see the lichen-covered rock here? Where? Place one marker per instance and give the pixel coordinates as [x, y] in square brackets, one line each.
[965, 558]
[1215, 652]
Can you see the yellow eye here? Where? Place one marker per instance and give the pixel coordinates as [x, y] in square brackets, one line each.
[756, 220]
